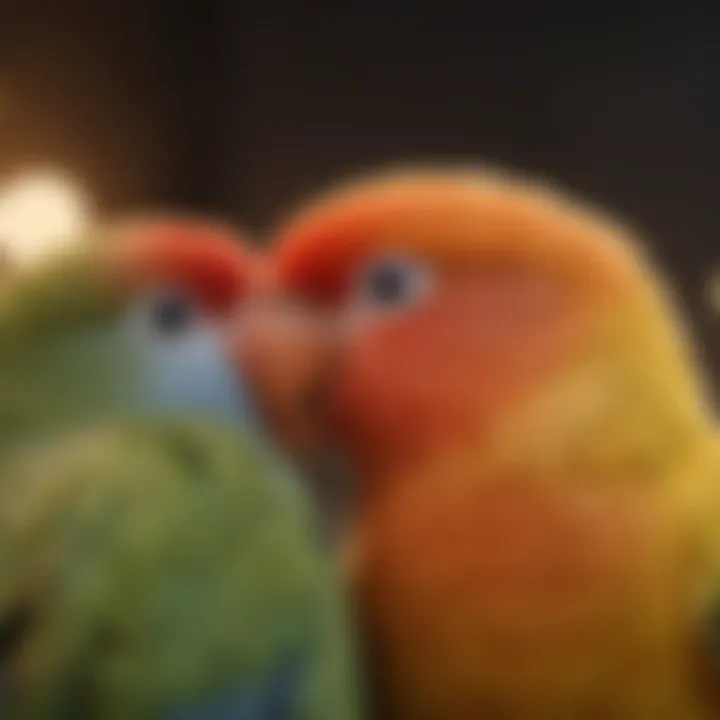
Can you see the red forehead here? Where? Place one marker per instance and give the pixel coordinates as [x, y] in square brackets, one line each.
[318, 258]
[206, 260]
[455, 223]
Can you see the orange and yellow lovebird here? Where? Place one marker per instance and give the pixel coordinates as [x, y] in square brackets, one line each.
[536, 458]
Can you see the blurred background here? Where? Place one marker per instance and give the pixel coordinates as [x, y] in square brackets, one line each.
[239, 110]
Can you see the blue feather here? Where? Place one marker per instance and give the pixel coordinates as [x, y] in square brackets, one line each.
[193, 376]
[275, 699]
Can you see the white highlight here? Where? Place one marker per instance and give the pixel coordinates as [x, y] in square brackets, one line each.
[40, 212]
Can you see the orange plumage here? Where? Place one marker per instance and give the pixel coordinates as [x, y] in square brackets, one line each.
[535, 455]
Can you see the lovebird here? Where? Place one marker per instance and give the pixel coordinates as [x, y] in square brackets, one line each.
[157, 560]
[514, 385]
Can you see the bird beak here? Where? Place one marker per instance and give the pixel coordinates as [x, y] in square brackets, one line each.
[286, 352]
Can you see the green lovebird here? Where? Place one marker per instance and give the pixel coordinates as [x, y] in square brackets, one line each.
[157, 557]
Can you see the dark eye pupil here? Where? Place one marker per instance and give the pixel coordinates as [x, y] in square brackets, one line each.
[172, 314]
[387, 284]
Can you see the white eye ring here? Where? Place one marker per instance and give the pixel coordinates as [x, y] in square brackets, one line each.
[393, 283]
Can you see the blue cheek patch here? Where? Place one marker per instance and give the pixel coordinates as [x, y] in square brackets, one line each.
[274, 699]
[191, 375]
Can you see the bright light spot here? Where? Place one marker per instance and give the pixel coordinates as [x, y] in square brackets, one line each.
[40, 212]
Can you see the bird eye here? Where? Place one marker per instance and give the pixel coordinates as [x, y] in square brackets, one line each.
[166, 313]
[393, 283]
[171, 314]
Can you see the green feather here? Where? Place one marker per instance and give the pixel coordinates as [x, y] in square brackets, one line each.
[144, 564]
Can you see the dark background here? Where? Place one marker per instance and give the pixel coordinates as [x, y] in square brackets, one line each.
[219, 106]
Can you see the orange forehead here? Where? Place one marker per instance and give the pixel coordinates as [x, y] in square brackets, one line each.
[453, 221]
[207, 260]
